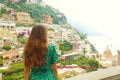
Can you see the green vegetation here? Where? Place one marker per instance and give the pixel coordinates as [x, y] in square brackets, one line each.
[3, 11]
[26, 25]
[1, 60]
[82, 36]
[7, 47]
[84, 62]
[93, 48]
[13, 68]
[66, 26]
[94, 65]
[21, 39]
[65, 46]
[22, 1]
[18, 25]
[36, 11]
[15, 72]
[50, 29]
[1, 1]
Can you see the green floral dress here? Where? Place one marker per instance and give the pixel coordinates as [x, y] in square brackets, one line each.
[45, 72]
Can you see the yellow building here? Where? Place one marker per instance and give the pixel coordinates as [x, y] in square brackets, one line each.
[9, 16]
[108, 54]
[5, 33]
[6, 38]
[23, 18]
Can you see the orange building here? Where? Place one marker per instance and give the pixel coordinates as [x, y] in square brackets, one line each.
[118, 57]
[47, 19]
[11, 54]
[12, 1]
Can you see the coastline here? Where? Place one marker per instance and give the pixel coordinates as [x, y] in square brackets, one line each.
[102, 42]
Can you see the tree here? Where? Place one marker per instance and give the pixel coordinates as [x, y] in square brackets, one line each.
[1, 56]
[3, 11]
[82, 36]
[21, 39]
[1, 60]
[22, 1]
[93, 48]
[36, 11]
[1, 1]
[7, 47]
[94, 63]
[65, 46]
[14, 72]
[50, 29]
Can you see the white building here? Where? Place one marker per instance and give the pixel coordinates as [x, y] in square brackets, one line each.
[33, 1]
[23, 29]
[1, 5]
[70, 56]
[7, 24]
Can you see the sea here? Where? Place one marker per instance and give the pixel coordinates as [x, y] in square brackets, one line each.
[99, 40]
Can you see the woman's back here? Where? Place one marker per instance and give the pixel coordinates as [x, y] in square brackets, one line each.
[39, 56]
[45, 72]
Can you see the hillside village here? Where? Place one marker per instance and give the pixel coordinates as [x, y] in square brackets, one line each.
[15, 27]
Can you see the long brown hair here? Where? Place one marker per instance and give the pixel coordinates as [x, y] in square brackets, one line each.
[36, 47]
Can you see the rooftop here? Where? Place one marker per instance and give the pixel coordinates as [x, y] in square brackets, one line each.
[102, 74]
[11, 52]
[70, 54]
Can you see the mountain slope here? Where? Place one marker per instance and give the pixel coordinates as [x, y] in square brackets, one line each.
[37, 10]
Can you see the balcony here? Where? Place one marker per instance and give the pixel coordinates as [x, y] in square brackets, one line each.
[101, 74]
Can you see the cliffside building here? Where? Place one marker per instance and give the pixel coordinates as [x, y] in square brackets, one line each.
[23, 18]
[33, 1]
[7, 38]
[7, 24]
[12, 1]
[47, 19]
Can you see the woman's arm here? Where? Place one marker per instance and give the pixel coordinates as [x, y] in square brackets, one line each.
[54, 69]
[26, 73]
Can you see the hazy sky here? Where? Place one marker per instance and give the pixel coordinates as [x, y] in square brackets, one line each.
[102, 15]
